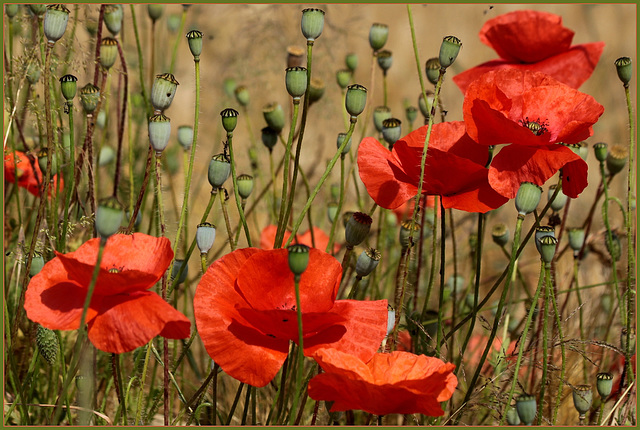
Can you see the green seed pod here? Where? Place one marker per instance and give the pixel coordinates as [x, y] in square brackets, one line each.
[332, 211]
[542, 231]
[269, 137]
[55, 22]
[367, 262]
[547, 249]
[316, 90]
[90, 97]
[378, 34]
[512, 416]
[528, 198]
[155, 11]
[560, 200]
[91, 25]
[624, 69]
[108, 52]
[296, 81]
[295, 56]
[604, 384]
[449, 50]
[11, 10]
[33, 72]
[47, 343]
[357, 228]
[526, 406]
[107, 155]
[613, 245]
[113, 18]
[38, 9]
[425, 108]
[343, 77]
[205, 236]
[408, 233]
[385, 60]
[219, 170]
[185, 136]
[43, 160]
[101, 119]
[230, 86]
[37, 263]
[173, 22]
[616, 159]
[601, 151]
[412, 113]
[163, 90]
[351, 61]
[274, 116]
[194, 37]
[356, 99]
[312, 23]
[298, 259]
[335, 192]
[380, 113]
[242, 95]
[229, 120]
[391, 131]
[159, 132]
[623, 340]
[576, 238]
[500, 234]
[582, 399]
[432, 70]
[245, 185]
[177, 265]
[108, 217]
[340, 141]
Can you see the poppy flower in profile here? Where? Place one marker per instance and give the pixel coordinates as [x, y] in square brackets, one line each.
[394, 383]
[123, 314]
[25, 171]
[455, 169]
[536, 41]
[534, 113]
[268, 238]
[245, 311]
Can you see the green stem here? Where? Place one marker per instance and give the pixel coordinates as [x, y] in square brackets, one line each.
[300, 367]
[147, 102]
[69, 189]
[560, 341]
[183, 20]
[545, 340]
[338, 209]
[234, 178]
[223, 204]
[576, 264]
[440, 332]
[136, 420]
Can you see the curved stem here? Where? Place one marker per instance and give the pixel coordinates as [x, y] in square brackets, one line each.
[338, 209]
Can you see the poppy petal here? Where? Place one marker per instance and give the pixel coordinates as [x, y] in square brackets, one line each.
[481, 199]
[268, 236]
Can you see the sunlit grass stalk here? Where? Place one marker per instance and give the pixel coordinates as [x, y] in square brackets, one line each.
[69, 184]
[339, 208]
[227, 222]
[123, 115]
[235, 403]
[143, 378]
[576, 265]
[558, 320]
[234, 178]
[545, 341]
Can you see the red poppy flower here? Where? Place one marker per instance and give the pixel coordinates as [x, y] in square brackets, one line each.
[395, 383]
[245, 312]
[268, 238]
[454, 170]
[25, 171]
[537, 41]
[534, 113]
[405, 210]
[123, 314]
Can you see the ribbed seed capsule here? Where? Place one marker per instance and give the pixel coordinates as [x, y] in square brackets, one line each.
[408, 233]
[163, 90]
[512, 417]
[576, 238]
[37, 263]
[601, 151]
[526, 406]
[113, 18]
[33, 72]
[159, 132]
[500, 234]
[367, 262]
[47, 343]
[378, 34]
[616, 159]
[356, 99]
[242, 95]
[274, 116]
[624, 69]
[296, 81]
[343, 77]
[298, 258]
[542, 231]
[412, 113]
[43, 160]
[185, 136]
[432, 70]
[391, 130]
[38, 8]
[269, 137]
[68, 86]
[449, 50]
[357, 228]
[548, 246]
[229, 119]
[108, 52]
[90, 97]
[582, 399]
[604, 384]
[219, 170]
[528, 198]
[385, 60]
[312, 23]
[55, 22]
[205, 236]
[194, 37]
[425, 107]
[380, 113]
[340, 141]
[108, 217]
[245, 185]
[560, 200]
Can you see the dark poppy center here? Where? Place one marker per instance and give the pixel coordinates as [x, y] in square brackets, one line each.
[537, 127]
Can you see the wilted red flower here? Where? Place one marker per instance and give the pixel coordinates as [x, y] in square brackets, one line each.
[123, 314]
[246, 315]
[395, 383]
[455, 169]
[537, 41]
[534, 113]
[25, 171]
[268, 237]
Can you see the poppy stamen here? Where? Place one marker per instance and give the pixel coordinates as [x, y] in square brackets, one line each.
[537, 127]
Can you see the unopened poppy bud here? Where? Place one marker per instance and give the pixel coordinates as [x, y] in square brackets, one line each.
[11, 10]
[245, 185]
[295, 56]
[38, 8]
[412, 113]
[357, 228]
[624, 69]
[604, 384]
[340, 141]
[378, 34]
[425, 107]
[219, 170]
[43, 160]
[385, 60]
[194, 38]
[391, 130]
[613, 245]
[391, 319]
[542, 231]
[408, 233]
[512, 417]
[526, 406]
[343, 77]
[269, 137]
[107, 155]
[601, 151]
[449, 50]
[159, 132]
[68, 86]
[274, 116]
[582, 399]
[623, 339]
[356, 99]
[173, 22]
[332, 211]
[298, 258]
[55, 22]
[560, 200]
[380, 113]
[242, 95]
[367, 262]
[312, 23]
[185, 136]
[108, 217]
[89, 96]
[113, 18]
[47, 343]
[155, 11]
[527, 198]
[205, 236]
[500, 234]
[547, 249]
[316, 90]
[177, 265]
[351, 61]
[163, 90]
[576, 238]
[230, 85]
[616, 159]
[108, 52]
[229, 119]
[37, 263]
[432, 70]
[296, 81]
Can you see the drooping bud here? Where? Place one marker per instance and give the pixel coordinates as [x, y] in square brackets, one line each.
[432, 70]
[357, 228]
[47, 343]
[194, 38]
[55, 22]
[159, 132]
[163, 90]
[219, 170]
[298, 258]
[576, 238]
[356, 99]
[528, 198]
[11, 10]
[312, 23]
[229, 119]
[155, 11]
[449, 50]
[351, 61]
[108, 217]
[37, 263]
[205, 236]
[624, 69]
[425, 107]
[43, 160]
[378, 34]
[177, 265]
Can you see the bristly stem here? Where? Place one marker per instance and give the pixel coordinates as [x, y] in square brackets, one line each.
[123, 115]
[558, 320]
[300, 363]
[69, 189]
[443, 230]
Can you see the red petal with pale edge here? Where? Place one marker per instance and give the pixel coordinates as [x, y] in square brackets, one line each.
[126, 321]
